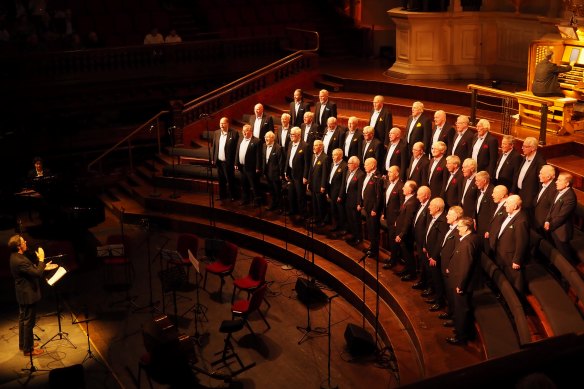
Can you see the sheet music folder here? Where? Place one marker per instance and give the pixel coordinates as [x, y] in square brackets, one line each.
[195, 262]
[61, 271]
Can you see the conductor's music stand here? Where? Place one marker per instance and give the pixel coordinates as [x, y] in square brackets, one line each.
[61, 271]
[173, 256]
[197, 308]
[81, 318]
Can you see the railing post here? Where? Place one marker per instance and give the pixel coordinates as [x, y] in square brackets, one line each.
[473, 106]
[543, 124]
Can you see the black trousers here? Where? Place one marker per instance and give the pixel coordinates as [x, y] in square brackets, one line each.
[225, 174]
[26, 321]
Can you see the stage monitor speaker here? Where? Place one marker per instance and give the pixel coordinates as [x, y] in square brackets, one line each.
[359, 341]
[308, 292]
[70, 377]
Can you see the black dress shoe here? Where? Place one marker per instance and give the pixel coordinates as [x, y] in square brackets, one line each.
[419, 285]
[401, 273]
[455, 340]
[436, 307]
[408, 277]
[448, 323]
[427, 292]
[431, 301]
[444, 316]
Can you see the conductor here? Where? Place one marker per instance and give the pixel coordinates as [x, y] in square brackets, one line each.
[26, 279]
[545, 81]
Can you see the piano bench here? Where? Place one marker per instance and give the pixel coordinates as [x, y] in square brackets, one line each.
[559, 119]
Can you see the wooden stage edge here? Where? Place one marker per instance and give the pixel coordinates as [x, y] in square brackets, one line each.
[415, 335]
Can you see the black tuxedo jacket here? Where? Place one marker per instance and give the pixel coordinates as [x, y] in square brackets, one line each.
[446, 135]
[230, 146]
[317, 172]
[420, 172]
[486, 210]
[335, 187]
[436, 179]
[464, 146]
[372, 198]
[266, 125]
[513, 244]
[26, 278]
[350, 192]
[383, 124]
[420, 226]
[405, 219]
[509, 169]
[399, 158]
[393, 204]
[464, 263]
[488, 153]
[286, 142]
[330, 110]
[355, 145]
[560, 216]
[313, 135]
[451, 194]
[449, 244]
[529, 189]
[420, 133]
[434, 237]
[273, 168]
[375, 150]
[469, 201]
[300, 162]
[543, 205]
[334, 141]
[297, 118]
[252, 155]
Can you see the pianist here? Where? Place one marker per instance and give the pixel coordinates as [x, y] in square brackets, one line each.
[545, 81]
[38, 170]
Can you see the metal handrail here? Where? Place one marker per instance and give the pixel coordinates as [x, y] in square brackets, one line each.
[544, 102]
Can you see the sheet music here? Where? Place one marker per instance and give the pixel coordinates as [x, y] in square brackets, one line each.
[168, 255]
[61, 271]
[111, 250]
[194, 261]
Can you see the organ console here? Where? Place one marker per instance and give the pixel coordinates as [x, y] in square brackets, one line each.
[566, 114]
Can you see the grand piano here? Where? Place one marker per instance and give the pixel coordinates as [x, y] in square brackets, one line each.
[566, 113]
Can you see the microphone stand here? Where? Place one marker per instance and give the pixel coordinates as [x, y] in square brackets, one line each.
[145, 223]
[308, 329]
[285, 209]
[174, 194]
[328, 384]
[364, 260]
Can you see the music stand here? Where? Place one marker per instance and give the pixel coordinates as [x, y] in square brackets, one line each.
[172, 279]
[145, 223]
[61, 271]
[84, 317]
[197, 308]
[328, 384]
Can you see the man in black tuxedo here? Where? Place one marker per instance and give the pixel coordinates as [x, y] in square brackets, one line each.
[559, 219]
[442, 131]
[248, 163]
[351, 197]
[485, 205]
[273, 168]
[334, 187]
[297, 109]
[28, 292]
[309, 131]
[283, 134]
[420, 223]
[351, 139]
[450, 192]
[545, 197]
[448, 245]
[316, 182]
[437, 173]
[370, 147]
[462, 140]
[396, 153]
[436, 229]
[224, 146]
[508, 164]
[418, 167]
[404, 232]
[332, 137]
[418, 127]
[485, 148]
[323, 110]
[511, 243]
[381, 120]
[500, 195]
[463, 270]
[260, 123]
[392, 200]
[468, 189]
[526, 180]
[372, 204]
[296, 171]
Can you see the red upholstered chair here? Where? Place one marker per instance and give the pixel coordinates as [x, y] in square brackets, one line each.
[223, 266]
[244, 308]
[184, 243]
[255, 277]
